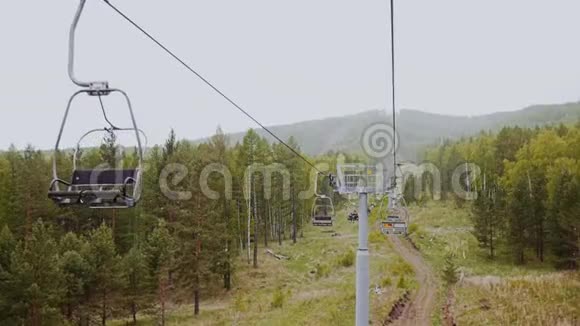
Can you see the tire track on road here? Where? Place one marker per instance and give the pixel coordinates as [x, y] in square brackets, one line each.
[419, 309]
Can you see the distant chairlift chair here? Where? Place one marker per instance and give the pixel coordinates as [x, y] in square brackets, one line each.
[323, 211]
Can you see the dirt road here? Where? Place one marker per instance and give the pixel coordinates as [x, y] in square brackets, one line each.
[422, 303]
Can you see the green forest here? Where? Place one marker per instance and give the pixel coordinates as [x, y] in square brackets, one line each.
[79, 266]
[83, 266]
[527, 205]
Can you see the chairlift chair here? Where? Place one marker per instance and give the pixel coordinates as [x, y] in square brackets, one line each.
[322, 208]
[100, 187]
[96, 187]
[397, 221]
[323, 211]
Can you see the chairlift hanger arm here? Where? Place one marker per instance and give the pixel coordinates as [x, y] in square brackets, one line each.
[97, 85]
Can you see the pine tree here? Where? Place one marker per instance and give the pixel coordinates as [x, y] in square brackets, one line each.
[171, 146]
[4, 189]
[109, 150]
[563, 212]
[136, 280]
[250, 154]
[76, 273]
[104, 263]
[33, 281]
[219, 154]
[14, 192]
[519, 213]
[487, 217]
[450, 270]
[159, 253]
[7, 246]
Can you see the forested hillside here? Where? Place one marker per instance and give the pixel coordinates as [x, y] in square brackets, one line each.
[179, 247]
[416, 128]
[528, 188]
[88, 266]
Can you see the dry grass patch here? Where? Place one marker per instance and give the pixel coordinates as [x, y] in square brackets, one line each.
[552, 299]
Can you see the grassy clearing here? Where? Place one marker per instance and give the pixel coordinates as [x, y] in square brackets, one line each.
[441, 229]
[552, 299]
[493, 292]
[316, 286]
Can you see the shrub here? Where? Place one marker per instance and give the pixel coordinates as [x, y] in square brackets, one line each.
[386, 281]
[401, 267]
[412, 228]
[322, 270]
[347, 259]
[278, 299]
[241, 302]
[376, 237]
[402, 283]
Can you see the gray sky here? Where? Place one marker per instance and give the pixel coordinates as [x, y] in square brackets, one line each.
[284, 61]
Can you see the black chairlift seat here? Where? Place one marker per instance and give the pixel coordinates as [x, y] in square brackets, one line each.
[107, 188]
[322, 220]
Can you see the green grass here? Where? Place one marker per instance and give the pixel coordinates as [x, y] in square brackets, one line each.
[552, 299]
[316, 286]
[280, 296]
[347, 259]
[532, 294]
[443, 229]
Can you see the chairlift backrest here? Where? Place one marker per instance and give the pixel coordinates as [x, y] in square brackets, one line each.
[323, 203]
[104, 177]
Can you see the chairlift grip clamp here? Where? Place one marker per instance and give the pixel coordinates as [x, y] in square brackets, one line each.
[99, 88]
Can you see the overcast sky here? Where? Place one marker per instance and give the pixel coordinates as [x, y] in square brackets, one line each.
[284, 61]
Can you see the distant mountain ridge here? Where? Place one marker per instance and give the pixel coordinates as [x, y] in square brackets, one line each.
[416, 129]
